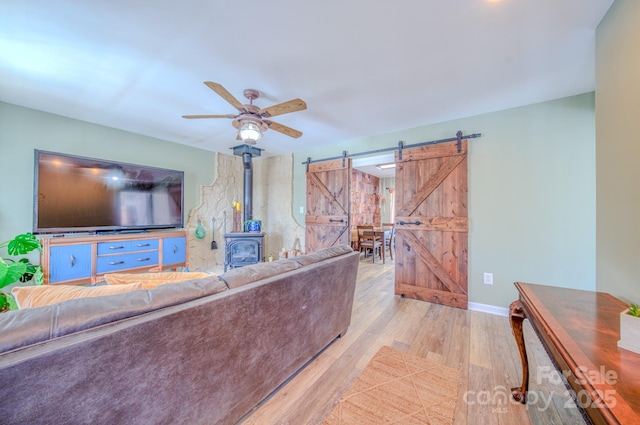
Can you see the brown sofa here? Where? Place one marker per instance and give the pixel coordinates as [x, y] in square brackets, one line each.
[181, 353]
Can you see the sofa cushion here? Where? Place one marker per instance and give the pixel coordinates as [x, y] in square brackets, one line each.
[151, 280]
[243, 275]
[322, 254]
[24, 327]
[39, 296]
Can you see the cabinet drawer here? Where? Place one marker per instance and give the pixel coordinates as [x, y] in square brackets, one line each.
[113, 263]
[69, 262]
[174, 250]
[115, 247]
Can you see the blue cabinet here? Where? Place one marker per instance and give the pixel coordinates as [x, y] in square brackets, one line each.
[85, 259]
[174, 250]
[70, 262]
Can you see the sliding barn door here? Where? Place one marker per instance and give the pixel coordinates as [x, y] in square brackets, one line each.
[432, 224]
[328, 197]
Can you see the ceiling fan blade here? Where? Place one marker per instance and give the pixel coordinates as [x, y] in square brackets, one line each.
[283, 129]
[292, 105]
[208, 116]
[223, 93]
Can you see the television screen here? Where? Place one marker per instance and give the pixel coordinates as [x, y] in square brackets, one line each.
[77, 194]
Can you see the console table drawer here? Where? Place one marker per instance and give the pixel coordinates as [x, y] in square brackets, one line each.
[114, 247]
[70, 262]
[113, 263]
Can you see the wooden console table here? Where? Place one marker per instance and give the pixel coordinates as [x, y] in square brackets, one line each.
[86, 258]
[580, 330]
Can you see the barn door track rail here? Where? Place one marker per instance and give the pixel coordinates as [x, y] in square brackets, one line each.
[400, 147]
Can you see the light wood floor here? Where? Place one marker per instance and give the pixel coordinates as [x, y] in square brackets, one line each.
[479, 344]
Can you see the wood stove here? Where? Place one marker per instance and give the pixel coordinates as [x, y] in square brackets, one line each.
[244, 248]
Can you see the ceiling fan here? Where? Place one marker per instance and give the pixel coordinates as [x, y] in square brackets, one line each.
[251, 121]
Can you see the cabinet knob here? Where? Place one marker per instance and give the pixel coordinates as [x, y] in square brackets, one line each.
[113, 263]
[144, 244]
[116, 247]
[72, 261]
[144, 259]
[175, 249]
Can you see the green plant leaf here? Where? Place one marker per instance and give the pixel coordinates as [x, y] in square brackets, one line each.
[10, 273]
[13, 305]
[23, 244]
[38, 276]
[4, 268]
[4, 302]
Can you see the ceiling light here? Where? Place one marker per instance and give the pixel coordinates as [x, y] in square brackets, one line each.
[249, 132]
[386, 166]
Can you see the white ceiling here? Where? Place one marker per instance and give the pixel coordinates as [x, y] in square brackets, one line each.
[363, 67]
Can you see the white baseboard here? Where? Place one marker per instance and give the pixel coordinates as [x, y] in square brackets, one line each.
[491, 309]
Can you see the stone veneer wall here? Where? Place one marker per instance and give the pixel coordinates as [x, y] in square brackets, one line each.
[272, 203]
[216, 199]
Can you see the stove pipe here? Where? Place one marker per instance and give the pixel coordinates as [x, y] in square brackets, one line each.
[247, 153]
[248, 186]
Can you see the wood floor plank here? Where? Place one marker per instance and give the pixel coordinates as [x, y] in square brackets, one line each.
[480, 345]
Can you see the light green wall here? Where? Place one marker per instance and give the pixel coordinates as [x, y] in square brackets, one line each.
[531, 193]
[531, 183]
[22, 130]
[618, 151]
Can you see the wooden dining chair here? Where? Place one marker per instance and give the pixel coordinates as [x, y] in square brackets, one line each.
[359, 230]
[390, 242]
[362, 228]
[370, 241]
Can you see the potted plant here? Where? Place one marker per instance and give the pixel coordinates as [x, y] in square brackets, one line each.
[630, 329]
[254, 226]
[13, 270]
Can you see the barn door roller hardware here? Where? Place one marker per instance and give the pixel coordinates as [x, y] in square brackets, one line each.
[400, 147]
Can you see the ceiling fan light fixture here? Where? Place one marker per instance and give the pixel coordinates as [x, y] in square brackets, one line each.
[249, 132]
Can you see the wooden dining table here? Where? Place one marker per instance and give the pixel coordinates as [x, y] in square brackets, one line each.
[384, 233]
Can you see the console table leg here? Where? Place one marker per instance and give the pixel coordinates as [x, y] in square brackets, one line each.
[516, 317]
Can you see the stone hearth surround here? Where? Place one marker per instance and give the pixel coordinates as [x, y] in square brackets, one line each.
[272, 203]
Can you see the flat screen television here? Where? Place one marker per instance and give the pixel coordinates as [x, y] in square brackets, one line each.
[77, 194]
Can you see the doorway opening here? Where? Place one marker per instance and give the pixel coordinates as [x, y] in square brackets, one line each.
[380, 208]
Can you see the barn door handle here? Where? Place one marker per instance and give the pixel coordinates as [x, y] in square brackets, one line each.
[339, 221]
[402, 223]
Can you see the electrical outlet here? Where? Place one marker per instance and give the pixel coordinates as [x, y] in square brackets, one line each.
[488, 278]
